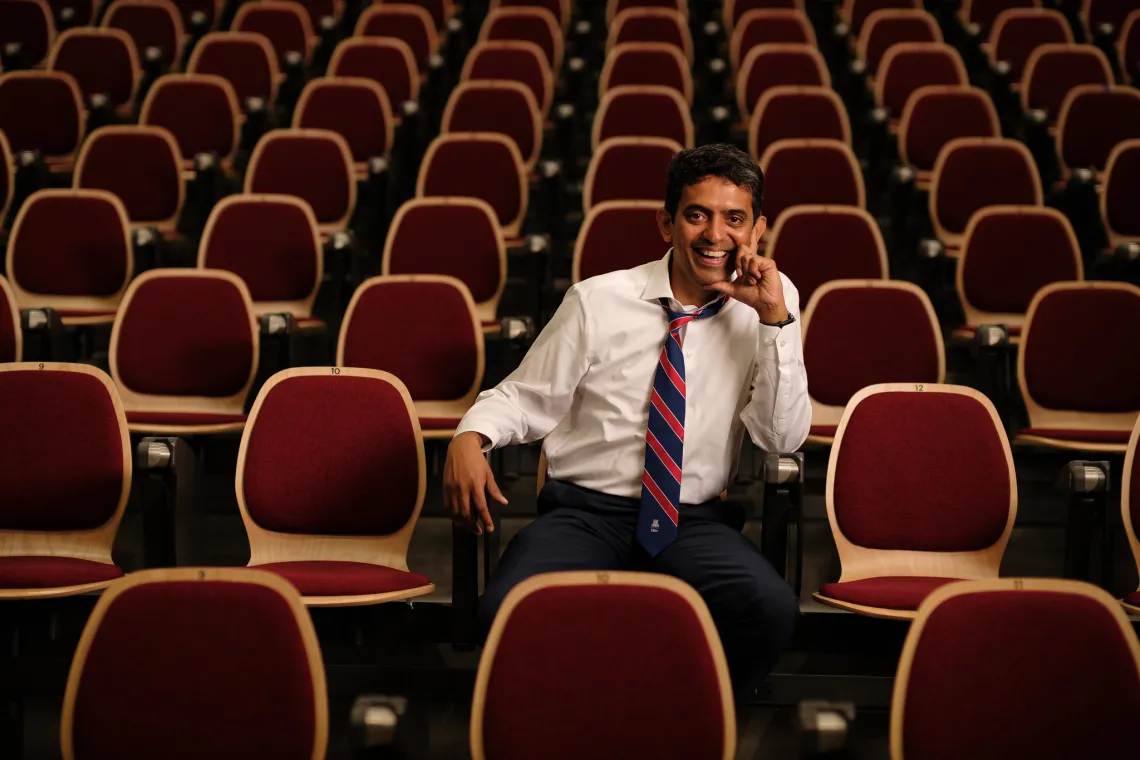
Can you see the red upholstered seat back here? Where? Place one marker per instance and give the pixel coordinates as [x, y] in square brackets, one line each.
[984, 12]
[947, 486]
[524, 27]
[184, 335]
[627, 171]
[1059, 69]
[621, 5]
[1022, 32]
[471, 256]
[198, 109]
[242, 61]
[1122, 191]
[148, 25]
[9, 324]
[140, 165]
[644, 112]
[610, 660]
[437, 9]
[495, 107]
[769, 26]
[484, 169]
[310, 165]
[793, 112]
[1095, 120]
[1130, 47]
[332, 455]
[285, 25]
[71, 243]
[102, 62]
[809, 171]
[619, 236]
[1060, 371]
[909, 66]
[814, 246]
[1020, 673]
[80, 485]
[861, 9]
[767, 66]
[1109, 12]
[357, 110]
[40, 111]
[646, 65]
[899, 26]
[937, 114]
[974, 175]
[384, 63]
[189, 8]
[510, 62]
[270, 242]
[320, 9]
[554, 6]
[1012, 253]
[155, 662]
[654, 28]
[30, 24]
[404, 24]
[842, 358]
[740, 7]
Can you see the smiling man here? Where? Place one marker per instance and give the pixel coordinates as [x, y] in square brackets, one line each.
[642, 385]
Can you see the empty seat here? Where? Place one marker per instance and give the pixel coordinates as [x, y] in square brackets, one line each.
[43, 110]
[512, 61]
[11, 336]
[1051, 670]
[70, 250]
[332, 513]
[615, 7]
[810, 171]
[908, 66]
[314, 165]
[408, 23]
[641, 63]
[767, 27]
[65, 480]
[797, 112]
[158, 643]
[273, 244]
[628, 169]
[974, 172]
[537, 25]
[1054, 69]
[845, 355]
[1120, 198]
[560, 9]
[856, 12]
[944, 509]
[733, 11]
[142, 166]
[1128, 48]
[439, 10]
[804, 246]
[201, 111]
[31, 24]
[775, 65]
[244, 59]
[1017, 32]
[651, 25]
[1079, 387]
[1130, 511]
[1094, 119]
[184, 352]
[1009, 253]
[150, 24]
[981, 14]
[388, 62]
[477, 257]
[284, 23]
[617, 235]
[648, 111]
[355, 108]
[1107, 14]
[936, 114]
[486, 165]
[102, 62]
[498, 107]
[658, 654]
[889, 27]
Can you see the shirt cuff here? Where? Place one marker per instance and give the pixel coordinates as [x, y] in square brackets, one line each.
[773, 343]
[467, 425]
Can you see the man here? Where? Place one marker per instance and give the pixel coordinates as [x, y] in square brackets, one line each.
[642, 385]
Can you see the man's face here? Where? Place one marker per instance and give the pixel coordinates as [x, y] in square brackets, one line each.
[714, 218]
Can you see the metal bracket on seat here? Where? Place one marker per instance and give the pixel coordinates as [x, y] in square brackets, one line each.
[783, 476]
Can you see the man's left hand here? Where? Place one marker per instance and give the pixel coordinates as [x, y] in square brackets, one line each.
[758, 284]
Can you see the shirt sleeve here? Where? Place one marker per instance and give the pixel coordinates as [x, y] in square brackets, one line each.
[530, 401]
[778, 416]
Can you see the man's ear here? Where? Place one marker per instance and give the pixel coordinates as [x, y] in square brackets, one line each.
[758, 230]
[665, 224]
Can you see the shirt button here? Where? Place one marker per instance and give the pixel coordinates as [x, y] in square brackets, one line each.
[688, 354]
[769, 342]
[783, 344]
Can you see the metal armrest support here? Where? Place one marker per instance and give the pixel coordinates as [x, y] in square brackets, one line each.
[44, 336]
[164, 482]
[257, 122]
[12, 56]
[783, 507]
[993, 371]
[824, 727]
[277, 347]
[376, 727]
[1088, 485]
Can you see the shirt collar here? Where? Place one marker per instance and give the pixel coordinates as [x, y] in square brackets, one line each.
[658, 287]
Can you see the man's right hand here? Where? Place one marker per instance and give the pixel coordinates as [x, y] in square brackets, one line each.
[467, 479]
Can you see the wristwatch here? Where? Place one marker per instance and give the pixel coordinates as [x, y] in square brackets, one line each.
[791, 318]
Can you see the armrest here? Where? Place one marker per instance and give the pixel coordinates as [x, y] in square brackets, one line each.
[344, 259]
[1080, 202]
[100, 112]
[44, 336]
[257, 122]
[823, 727]
[12, 56]
[32, 174]
[535, 266]
[164, 482]
[992, 367]
[65, 19]
[457, 45]
[783, 476]
[1088, 484]
[277, 344]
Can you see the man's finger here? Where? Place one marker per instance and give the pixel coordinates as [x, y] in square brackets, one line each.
[493, 488]
[480, 512]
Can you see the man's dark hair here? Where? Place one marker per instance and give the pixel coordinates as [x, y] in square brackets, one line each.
[728, 162]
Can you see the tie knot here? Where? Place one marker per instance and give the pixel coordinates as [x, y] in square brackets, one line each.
[679, 318]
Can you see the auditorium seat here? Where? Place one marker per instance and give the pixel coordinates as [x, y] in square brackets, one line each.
[150, 24]
[439, 10]
[330, 483]
[272, 242]
[628, 169]
[1079, 388]
[184, 352]
[1008, 254]
[513, 61]
[477, 255]
[774, 65]
[642, 63]
[734, 11]
[244, 59]
[1128, 48]
[907, 66]
[617, 235]
[657, 654]
[496, 107]
[11, 335]
[844, 355]
[355, 108]
[210, 10]
[31, 24]
[855, 13]
[102, 61]
[977, 16]
[1017, 667]
[769, 26]
[484, 165]
[1095, 119]
[408, 23]
[147, 674]
[646, 24]
[787, 112]
[615, 7]
[314, 165]
[1055, 68]
[319, 10]
[560, 9]
[43, 111]
[388, 62]
[936, 114]
[889, 27]
[1017, 32]
[805, 245]
[70, 250]
[643, 111]
[921, 492]
[201, 111]
[1120, 198]
[810, 171]
[974, 172]
[7, 181]
[284, 23]
[1100, 13]
[142, 166]
[537, 25]
[65, 480]
[1130, 511]
[439, 356]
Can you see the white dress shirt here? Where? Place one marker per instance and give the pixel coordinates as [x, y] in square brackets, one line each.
[584, 386]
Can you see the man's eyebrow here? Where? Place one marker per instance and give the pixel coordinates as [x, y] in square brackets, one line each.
[709, 212]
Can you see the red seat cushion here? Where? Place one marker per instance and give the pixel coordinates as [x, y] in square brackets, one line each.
[439, 423]
[182, 418]
[333, 578]
[53, 572]
[890, 592]
[1133, 599]
[1092, 436]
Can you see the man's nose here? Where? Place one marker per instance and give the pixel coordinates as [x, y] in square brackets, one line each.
[716, 230]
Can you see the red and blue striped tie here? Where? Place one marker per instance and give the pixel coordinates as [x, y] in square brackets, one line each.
[665, 437]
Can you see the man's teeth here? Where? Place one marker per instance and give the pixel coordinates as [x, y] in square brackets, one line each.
[713, 254]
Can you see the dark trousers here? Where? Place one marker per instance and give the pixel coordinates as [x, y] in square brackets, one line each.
[753, 608]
